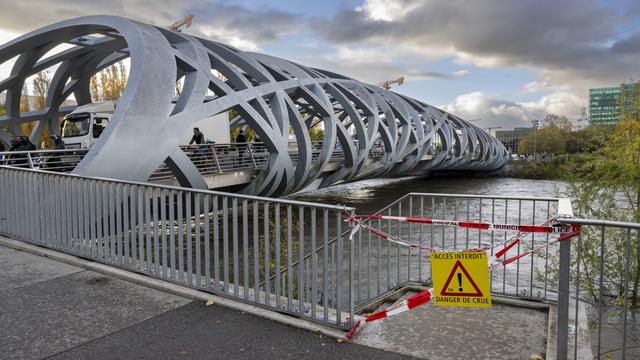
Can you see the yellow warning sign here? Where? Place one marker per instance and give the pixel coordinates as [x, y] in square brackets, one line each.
[461, 279]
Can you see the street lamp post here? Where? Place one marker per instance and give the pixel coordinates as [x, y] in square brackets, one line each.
[535, 123]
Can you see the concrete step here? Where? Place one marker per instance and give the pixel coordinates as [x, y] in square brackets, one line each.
[406, 295]
[437, 332]
[384, 306]
[387, 304]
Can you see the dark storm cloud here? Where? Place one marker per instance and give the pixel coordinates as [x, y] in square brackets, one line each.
[255, 24]
[261, 24]
[628, 46]
[571, 35]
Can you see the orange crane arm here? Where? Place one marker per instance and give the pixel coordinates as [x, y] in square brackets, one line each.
[178, 24]
[387, 84]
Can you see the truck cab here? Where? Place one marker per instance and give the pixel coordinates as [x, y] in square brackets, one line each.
[84, 125]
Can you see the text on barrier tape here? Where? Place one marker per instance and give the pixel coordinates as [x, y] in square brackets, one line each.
[553, 229]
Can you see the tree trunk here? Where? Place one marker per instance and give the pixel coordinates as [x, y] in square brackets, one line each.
[636, 280]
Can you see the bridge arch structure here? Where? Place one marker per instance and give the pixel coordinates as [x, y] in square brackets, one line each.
[279, 99]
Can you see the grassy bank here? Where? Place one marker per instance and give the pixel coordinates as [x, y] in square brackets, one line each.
[555, 169]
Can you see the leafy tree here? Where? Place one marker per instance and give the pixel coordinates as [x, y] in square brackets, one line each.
[590, 139]
[3, 111]
[24, 100]
[550, 139]
[316, 133]
[606, 185]
[41, 84]
[24, 108]
[250, 134]
[629, 100]
[109, 83]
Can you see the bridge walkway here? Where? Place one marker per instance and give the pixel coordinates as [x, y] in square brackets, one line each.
[222, 165]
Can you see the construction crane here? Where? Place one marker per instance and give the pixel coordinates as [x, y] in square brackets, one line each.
[184, 22]
[387, 84]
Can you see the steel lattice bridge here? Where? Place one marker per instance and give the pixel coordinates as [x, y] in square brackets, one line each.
[368, 131]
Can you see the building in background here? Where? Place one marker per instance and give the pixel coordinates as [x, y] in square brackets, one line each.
[607, 105]
[511, 138]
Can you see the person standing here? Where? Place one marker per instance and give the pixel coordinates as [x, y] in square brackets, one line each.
[197, 138]
[21, 143]
[55, 160]
[241, 145]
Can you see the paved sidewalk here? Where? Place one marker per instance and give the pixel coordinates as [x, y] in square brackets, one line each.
[196, 331]
[49, 309]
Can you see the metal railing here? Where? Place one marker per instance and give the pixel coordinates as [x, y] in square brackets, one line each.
[592, 280]
[210, 159]
[238, 246]
[51, 160]
[600, 277]
[383, 266]
[294, 257]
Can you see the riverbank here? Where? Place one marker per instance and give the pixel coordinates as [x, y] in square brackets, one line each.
[555, 169]
[562, 167]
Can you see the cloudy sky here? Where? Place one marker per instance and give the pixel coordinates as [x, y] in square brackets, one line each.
[504, 62]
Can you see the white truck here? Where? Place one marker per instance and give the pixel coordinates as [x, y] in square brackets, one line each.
[84, 125]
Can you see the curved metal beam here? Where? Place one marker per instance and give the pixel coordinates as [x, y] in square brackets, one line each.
[277, 98]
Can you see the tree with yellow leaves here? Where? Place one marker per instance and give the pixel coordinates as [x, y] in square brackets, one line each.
[41, 84]
[25, 108]
[606, 185]
[109, 83]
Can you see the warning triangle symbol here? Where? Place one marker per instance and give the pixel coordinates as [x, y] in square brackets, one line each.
[462, 288]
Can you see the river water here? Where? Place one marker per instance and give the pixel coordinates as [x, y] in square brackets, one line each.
[382, 265]
[369, 196]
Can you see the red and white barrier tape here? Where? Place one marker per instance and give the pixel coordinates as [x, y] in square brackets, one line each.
[508, 243]
[406, 305]
[553, 229]
[494, 262]
[387, 237]
[426, 296]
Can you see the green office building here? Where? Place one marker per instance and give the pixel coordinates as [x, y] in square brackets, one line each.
[608, 105]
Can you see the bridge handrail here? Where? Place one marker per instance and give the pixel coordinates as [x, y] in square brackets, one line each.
[43, 152]
[497, 197]
[593, 222]
[200, 191]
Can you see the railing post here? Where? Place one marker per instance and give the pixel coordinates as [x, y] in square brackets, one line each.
[215, 158]
[564, 211]
[30, 160]
[351, 278]
[563, 300]
[253, 160]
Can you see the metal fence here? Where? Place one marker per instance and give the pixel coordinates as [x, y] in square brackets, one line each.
[51, 160]
[209, 159]
[593, 280]
[601, 277]
[245, 247]
[383, 266]
[295, 257]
